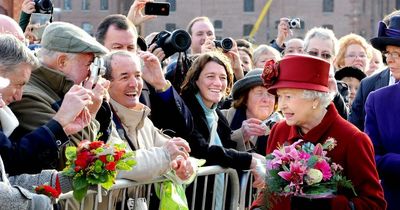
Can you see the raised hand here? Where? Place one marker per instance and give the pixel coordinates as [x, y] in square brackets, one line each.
[135, 14]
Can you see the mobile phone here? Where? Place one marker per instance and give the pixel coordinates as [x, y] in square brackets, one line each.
[157, 8]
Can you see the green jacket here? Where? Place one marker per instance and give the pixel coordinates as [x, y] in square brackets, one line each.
[41, 100]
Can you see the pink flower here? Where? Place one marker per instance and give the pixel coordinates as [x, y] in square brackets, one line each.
[270, 74]
[296, 173]
[324, 167]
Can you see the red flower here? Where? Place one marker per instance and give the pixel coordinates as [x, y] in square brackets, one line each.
[47, 190]
[103, 158]
[118, 155]
[270, 73]
[111, 166]
[95, 144]
[83, 158]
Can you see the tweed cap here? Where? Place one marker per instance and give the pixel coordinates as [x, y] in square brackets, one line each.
[252, 79]
[66, 37]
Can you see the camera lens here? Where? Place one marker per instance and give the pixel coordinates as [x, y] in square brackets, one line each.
[227, 44]
[181, 40]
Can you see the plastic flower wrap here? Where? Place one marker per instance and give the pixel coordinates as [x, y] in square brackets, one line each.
[303, 169]
[95, 163]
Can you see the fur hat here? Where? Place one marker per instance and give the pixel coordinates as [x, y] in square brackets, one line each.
[350, 71]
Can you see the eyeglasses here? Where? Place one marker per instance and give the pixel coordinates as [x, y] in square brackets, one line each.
[353, 56]
[323, 55]
[394, 55]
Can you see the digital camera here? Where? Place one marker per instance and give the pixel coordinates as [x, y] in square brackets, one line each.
[172, 42]
[294, 23]
[226, 44]
[44, 6]
[97, 69]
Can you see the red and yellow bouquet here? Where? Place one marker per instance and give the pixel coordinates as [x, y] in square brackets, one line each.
[95, 163]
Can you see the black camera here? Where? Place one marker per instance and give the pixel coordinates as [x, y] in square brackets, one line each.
[173, 42]
[44, 6]
[226, 44]
[294, 23]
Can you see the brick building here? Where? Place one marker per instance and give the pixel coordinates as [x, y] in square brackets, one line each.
[234, 18]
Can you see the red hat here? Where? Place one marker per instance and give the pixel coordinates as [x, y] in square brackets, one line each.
[297, 71]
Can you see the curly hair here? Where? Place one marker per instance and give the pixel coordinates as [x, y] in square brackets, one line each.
[345, 42]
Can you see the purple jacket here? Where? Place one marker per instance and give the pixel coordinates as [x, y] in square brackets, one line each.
[382, 124]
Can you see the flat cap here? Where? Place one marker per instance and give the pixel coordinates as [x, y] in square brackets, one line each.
[66, 37]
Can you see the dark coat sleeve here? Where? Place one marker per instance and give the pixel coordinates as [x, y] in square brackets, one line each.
[170, 113]
[34, 151]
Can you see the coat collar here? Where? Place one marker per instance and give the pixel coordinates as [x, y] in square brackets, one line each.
[316, 134]
[55, 80]
[130, 118]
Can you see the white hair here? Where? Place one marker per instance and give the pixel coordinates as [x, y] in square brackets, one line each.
[325, 98]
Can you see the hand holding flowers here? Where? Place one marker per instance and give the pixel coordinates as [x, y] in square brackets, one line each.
[95, 163]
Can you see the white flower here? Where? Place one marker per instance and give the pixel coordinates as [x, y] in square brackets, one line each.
[313, 176]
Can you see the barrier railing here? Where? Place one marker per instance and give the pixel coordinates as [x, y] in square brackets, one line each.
[124, 185]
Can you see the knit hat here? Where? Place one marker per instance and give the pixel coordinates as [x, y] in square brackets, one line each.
[252, 79]
[350, 71]
[296, 71]
[66, 37]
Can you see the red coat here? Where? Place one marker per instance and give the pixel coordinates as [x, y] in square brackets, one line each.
[354, 152]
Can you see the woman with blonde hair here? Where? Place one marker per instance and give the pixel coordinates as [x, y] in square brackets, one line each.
[354, 51]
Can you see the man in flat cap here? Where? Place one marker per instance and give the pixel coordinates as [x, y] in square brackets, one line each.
[66, 54]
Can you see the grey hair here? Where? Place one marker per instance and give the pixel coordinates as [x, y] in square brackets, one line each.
[325, 98]
[13, 53]
[262, 49]
[322, 33]
[109, 57]
[43, 52]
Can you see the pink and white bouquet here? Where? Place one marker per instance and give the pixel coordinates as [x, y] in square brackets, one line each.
[303, 169]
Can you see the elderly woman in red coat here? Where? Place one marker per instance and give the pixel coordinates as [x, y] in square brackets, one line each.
[301, 84]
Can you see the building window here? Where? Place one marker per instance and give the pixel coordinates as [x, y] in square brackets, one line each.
[170, 26]
[249, 5]
[67, 5]
[327, 6]
[85, 4]
[218, 24]
[328, 26]
[247, 29]
[172, 7]
[103, 4]
[88, 28]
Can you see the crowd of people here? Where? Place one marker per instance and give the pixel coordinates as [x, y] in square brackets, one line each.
[230, 107]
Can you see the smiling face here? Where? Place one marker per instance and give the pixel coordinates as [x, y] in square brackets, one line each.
[18, 78]
[212, 83]
[356, 56]
[126, 81]
[296, 109]
[260, 104]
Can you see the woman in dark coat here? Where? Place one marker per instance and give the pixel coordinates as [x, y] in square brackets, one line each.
[210, 79]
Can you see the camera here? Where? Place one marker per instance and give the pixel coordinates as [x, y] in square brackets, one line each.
[294, 23]
[226, 44]
[172, 42]
[97, 69]
[157, 8]
[44, 6]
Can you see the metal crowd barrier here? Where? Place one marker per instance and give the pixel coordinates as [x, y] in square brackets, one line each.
[124, 185]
